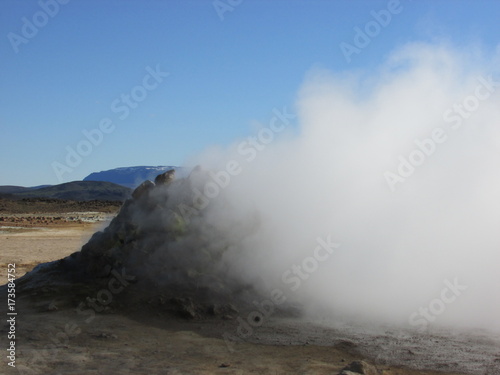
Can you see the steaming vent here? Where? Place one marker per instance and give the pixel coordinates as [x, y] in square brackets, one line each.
[162, 248]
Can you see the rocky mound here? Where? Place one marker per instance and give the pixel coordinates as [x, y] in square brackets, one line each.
[161, 252]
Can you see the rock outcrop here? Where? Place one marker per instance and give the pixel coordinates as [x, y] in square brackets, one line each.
[359, 368]
[164, 240]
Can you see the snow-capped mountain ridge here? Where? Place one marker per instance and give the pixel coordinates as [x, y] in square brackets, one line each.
[131, 177]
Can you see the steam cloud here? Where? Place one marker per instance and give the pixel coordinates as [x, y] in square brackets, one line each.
[401, 169]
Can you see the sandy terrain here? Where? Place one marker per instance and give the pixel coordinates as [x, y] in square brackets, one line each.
[28, 244]
[52, 339]
[113, 344]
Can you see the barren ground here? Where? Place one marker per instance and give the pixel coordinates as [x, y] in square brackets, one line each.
[52, 340]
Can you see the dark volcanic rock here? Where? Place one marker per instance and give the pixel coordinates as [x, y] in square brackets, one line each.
[142, 189]
[359, 367]
[165, 178]
[184, 307]
[160, 251]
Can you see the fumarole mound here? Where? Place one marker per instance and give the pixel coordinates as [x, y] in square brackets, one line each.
[161, 252]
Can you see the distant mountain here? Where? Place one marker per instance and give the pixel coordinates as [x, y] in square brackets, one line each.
[76, 190]
[132, 177]
[112, 185]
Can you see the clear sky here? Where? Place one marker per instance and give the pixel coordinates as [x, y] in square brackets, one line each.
[70, 66]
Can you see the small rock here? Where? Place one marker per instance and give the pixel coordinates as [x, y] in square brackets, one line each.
[47, 306]
[142, 189]
[221, 310]
[184, 307]
[52, 306]
[104, 335]
[165, 178]
[346, 345]
[223, 365]
[359, 367]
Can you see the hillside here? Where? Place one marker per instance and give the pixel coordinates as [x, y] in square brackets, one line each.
[12, 189]
[49, 205]
[78, 190]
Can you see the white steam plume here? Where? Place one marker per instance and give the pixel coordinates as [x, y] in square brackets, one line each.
[401, 169]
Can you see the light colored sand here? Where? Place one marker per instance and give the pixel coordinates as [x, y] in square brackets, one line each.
[27, 247]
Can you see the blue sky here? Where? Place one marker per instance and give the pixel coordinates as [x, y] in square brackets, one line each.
[225, 71]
